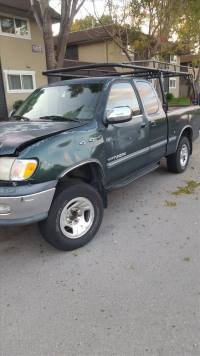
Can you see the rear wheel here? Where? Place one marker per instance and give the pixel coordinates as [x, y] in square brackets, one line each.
[74, 218]
[178, 161]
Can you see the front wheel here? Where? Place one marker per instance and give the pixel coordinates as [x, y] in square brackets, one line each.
[178, 161]
[74, 218]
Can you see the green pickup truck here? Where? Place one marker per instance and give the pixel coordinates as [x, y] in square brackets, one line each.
[72, 141]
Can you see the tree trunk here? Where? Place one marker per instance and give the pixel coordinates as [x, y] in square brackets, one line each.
[197, 80]
[49, 44]
[49, 49]
[62, 49]
[42, 14]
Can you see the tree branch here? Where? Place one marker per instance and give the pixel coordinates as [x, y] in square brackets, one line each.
[113, 35]
[37, 14]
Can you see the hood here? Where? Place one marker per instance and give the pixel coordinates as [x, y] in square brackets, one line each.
[16, 135]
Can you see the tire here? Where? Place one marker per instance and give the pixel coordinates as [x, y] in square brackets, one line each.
[178, 162]
[74, 217]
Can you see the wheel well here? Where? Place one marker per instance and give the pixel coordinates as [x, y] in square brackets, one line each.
[90, 173]
[187, 132]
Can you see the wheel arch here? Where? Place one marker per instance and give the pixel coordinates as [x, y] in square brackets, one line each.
[90, 171]
[186, 132]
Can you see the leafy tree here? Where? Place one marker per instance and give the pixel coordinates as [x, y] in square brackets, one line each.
[130, 17]
[188, 27]
[90, 21]
[188, 33]
[117, 13]
[43, 16]
[159, 17]
[85, 23]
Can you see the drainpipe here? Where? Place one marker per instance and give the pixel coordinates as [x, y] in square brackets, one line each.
[3, 89]
[106, 43]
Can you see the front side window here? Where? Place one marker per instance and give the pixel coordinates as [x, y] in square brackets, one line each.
[62, 103]
[122, 94]
[14, 27]
[148, 96]
[20, 81]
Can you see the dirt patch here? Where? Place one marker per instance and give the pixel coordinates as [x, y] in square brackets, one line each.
[170, 204]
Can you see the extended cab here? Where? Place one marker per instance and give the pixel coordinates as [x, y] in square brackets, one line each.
[72, 141]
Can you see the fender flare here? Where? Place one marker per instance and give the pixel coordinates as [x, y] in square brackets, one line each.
[181, 133]
[80, 164]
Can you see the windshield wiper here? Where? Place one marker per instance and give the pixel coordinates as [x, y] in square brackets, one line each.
[59, 118]
[20, 118]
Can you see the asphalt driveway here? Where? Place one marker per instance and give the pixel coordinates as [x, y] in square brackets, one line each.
[134, 290]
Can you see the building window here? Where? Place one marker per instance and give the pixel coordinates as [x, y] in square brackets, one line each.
[173, 58]
[20, 81]
[72, 52]
[14, 27]
[172, 83]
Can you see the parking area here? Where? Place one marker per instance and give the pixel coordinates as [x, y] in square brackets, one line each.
[134, 290]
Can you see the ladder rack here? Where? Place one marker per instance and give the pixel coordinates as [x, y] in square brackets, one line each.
[136, 69]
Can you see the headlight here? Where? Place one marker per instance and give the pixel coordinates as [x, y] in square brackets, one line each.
[5, 167]
[17, 169]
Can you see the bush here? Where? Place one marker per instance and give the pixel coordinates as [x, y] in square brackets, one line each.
[179, 101]
[17, 104]
[169, 96]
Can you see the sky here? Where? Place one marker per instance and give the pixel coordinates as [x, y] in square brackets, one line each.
[87, 9]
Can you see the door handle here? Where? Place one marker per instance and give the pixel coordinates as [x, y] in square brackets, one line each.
[153, 123]
[143, 125]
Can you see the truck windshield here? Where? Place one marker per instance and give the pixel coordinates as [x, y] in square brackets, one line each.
[60, 103]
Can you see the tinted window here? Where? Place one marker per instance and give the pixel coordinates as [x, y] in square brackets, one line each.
[122, 94]
[73, 101]
[148, 97]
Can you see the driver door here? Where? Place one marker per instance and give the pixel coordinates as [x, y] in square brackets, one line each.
[126, 142]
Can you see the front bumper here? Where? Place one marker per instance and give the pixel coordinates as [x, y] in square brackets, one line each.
[26, 204]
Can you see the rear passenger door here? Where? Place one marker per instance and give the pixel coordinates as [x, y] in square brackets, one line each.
[157, 120]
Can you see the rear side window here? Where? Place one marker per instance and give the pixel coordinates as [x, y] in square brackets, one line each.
[148, 96]
[122, 94]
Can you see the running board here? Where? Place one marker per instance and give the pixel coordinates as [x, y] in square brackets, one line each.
[140, 173]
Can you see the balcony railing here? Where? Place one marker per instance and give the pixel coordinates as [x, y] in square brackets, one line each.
[163, 65]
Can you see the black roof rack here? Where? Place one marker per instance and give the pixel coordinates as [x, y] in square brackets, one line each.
[132, 69]
[102, 69]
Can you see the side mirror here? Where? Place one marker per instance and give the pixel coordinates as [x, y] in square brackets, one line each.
[119, 114]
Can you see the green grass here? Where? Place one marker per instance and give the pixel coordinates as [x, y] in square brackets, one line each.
[189, 188]
[179, 102]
